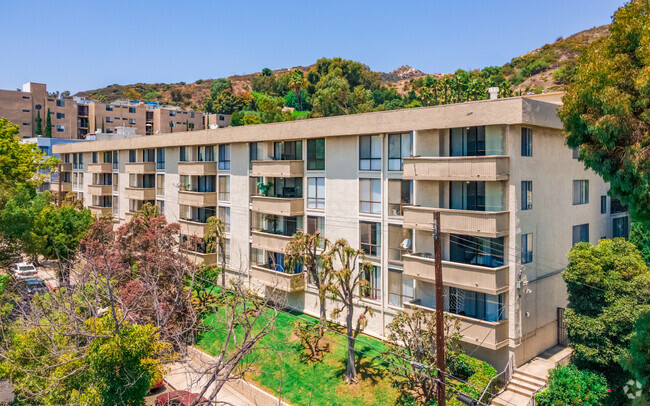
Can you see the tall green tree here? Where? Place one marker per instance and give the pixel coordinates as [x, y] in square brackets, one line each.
[48, 124]
[18, 220]
[219, 86]
[608, 289]
[607, 108]
[637, 361]
[39, 124]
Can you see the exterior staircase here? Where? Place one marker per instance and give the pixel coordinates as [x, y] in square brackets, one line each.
[520, 390]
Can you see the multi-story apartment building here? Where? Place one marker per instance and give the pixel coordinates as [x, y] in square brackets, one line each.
[75, 118]
[512, 197]
[52, 180]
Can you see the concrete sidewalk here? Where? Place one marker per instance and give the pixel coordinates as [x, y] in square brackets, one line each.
[189, 376]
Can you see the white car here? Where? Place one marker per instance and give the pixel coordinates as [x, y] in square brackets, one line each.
[23, 270]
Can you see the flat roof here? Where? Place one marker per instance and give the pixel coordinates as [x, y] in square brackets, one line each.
[508, 111]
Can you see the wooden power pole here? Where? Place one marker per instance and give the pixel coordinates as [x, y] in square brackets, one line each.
[440, 311]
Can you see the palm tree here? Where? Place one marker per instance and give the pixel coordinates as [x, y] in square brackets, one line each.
[448, 86]
[296, 81]
[215, 241]
[307, 250]
[147, 212]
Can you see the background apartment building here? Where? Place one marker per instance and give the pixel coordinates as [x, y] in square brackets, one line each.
[513, 201]
[75, 118]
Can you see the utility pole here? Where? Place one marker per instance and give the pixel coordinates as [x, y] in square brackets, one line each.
[60, 197]
[440, 311]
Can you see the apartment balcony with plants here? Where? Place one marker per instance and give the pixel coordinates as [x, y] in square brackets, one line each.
[279, 197]
[272, 233]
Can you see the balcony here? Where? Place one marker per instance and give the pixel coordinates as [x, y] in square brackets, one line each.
[137, 193]
[279, 206]
[464, 168]
[66, 167]
[65, 187]
[189, 227]
[100, 210]
[100, 190]
[197, 168]
[128, 216]
[487, 334]
[105, 167]
[198, 257]
[140, 167]
[279, 169]
[285, 282]
[197, 199]
[469, 222]
[474, 277]
[269, 241]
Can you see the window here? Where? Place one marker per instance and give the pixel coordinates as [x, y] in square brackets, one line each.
[115, 160]
[224, 215]
[192, 114]
[60, 128]
[603, 204]
[254, 153]
[580, 191]
[131, 110]
[132, 121]
[60, 115]
[65, 158]
[115, 182]
[109, 119]
[107, 156]
[160, 158]
[370, 196]
[60, 103]
[116, 209]
[132, 156]
[316, 224]
[477, 305]
[94, 157]
[400, 289]
[149, 155]
[288, 150]
[109, 107]
[370, 153]
[399, 146]
[81, 160]
[224, 157]
[580, 233]
[620, 227]
[316, 193]
[575, 153]
[224, 188]
[205, 153]
[372, 289]
[370, 234]
[26, 110]
[617, 207]
[172, 113]
[316, 154]
[161, 206]
[160, 185]
[526, 195]
[469, 141]
[400, 193]
[287, 187]
[398, 238]
[184, 154]
[526, 248]
[485, 251]
[526, 141]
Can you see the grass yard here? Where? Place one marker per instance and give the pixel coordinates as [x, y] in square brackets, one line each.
[281, 367]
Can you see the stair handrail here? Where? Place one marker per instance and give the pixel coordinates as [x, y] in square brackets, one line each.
[531, 401]
[506, 373]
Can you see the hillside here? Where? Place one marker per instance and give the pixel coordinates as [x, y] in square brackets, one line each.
[546, 68]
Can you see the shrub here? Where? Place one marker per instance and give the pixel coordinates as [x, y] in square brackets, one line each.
[568, 385]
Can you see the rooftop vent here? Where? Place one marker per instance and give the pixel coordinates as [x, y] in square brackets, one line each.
[494, 93]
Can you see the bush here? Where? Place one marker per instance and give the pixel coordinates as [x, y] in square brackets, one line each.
[459, 367]
[567, 385]
[534, 67]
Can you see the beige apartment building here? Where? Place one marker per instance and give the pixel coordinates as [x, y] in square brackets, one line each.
[513, 200]
[75, 118]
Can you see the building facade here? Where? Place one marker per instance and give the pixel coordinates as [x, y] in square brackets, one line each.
[75, 118]
[512, 197]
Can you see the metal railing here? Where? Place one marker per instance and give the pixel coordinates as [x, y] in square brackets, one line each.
[498, 383]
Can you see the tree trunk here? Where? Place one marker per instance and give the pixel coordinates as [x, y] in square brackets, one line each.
[351, 370]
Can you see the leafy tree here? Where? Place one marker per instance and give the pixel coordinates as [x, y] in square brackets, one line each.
[307, 250]
[568, 385]
[637, 361]
[39, 124]
[48, 124]
[19, 162]
[412, 351]
[219, 86]
[606, 108]
[264, 82]
[215, 241]
[341, 261]
[640, 236]
[151, 96]
[608, 289]
[18, 220]
[203, 286]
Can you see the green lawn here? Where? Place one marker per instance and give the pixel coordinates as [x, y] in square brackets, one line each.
[281, 367]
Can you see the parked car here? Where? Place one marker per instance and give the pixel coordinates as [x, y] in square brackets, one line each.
[34, 286]
[23, 270]
[180, 398]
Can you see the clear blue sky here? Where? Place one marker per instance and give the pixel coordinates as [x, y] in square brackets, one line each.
[80, 45]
